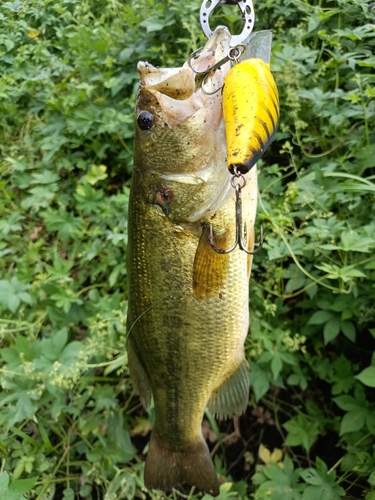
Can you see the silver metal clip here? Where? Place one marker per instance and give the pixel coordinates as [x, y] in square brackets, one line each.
[247, 10]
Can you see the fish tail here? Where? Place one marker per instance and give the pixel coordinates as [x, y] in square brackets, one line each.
[168, 468]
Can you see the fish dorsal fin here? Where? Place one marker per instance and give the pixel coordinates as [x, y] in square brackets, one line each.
[232, 397]
[210, 268]
[138, 375]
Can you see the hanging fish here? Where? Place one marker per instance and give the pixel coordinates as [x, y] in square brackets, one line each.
[188, 313]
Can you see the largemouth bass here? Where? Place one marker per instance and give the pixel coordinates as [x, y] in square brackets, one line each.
[188, 312]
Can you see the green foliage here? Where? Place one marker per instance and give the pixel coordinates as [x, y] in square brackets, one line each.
[16, 489]
[284, 482]
[317, 199]
[67, 87]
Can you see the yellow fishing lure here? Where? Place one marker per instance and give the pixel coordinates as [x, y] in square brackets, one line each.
[251, 112]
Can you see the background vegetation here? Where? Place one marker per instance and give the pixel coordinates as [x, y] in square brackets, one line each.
[67, 412]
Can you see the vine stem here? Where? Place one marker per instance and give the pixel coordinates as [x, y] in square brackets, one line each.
[54, 473]
[90, 287]
[342, 458]
[358, 80]
[297, 262]
[301, 268]
[341, 143]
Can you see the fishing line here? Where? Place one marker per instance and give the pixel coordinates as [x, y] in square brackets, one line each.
[148, 309]
[97, 365]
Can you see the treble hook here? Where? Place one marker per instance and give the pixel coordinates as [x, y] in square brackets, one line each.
[242, 243]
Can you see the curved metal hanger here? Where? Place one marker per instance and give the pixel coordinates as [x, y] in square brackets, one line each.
[247, 10]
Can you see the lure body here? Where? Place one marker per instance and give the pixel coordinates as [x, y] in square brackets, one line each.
[251, 112]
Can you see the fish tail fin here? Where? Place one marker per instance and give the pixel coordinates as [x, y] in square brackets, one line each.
[167, 468]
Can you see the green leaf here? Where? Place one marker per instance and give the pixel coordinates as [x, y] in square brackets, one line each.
[60, 269]
[23, 408]
[347, 403]
[353, 242]
[331, 330]
[153, 24]
[320, 317]
[259, 380]
[123, 486]
[46, 177]
[65, 223]
[311, 476]
[60, 339]
[276, 365]
[322, 485]
[11, 224]
[89, 199]
[352, 421]
[371, 479]
[367, 376]
[301, 431]
[95, 455]
[96, 174]
[41, 196]
[23, 485]
[323, 492]
[348, 330]
[4, 482]
[12, 293]
[68, 494]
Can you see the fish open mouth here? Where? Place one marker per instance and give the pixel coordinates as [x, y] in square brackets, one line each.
[175, 89]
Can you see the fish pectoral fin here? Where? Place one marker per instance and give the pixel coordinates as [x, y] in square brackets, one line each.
[138, 375]
[232, 397]
[210, 268]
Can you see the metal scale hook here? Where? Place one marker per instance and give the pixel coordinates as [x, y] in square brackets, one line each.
[241, 242]
[238, 181]
[237, 47]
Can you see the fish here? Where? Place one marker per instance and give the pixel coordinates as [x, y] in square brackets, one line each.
[188, 306]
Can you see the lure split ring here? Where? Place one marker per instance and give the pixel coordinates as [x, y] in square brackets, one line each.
[234, 54]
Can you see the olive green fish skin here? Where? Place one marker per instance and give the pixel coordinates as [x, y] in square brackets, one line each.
[184, 340]
[187, 344]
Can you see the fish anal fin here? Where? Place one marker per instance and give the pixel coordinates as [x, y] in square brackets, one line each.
[167, 468]
[138, 375]
[232, 397]
[210, 268]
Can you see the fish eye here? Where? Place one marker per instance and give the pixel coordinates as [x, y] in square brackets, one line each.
[145, 120]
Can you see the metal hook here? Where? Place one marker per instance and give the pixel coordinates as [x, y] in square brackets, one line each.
[234, 54]
[242, 243]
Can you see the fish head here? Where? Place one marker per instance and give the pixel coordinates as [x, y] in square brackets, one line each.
[180, 136]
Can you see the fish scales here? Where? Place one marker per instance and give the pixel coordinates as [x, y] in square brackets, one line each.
[188, 305]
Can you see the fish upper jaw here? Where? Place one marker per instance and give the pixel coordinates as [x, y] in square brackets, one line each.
[181, 156]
